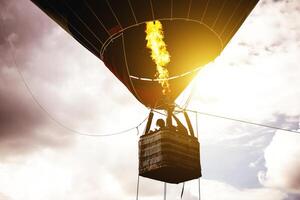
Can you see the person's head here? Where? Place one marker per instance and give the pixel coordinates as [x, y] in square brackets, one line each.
[160, 123]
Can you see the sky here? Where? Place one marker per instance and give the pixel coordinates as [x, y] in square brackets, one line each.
[256, 78]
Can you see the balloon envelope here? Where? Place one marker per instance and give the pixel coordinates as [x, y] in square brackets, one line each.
[196, 32]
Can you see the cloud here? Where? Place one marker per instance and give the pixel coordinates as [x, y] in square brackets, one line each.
[23, 127]
[4, 197]
[282, 162]
[215, 190]
[16, 15]
[70, 83]
[256, 78]
[21, 123]
[92, 169]
[89, 174]
[223, 191]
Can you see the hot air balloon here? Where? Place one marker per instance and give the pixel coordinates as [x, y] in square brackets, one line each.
[194, 33]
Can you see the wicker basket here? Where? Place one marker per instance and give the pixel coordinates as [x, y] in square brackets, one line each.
[169, 156]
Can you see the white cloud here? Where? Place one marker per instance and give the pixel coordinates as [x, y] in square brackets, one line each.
[255, 78]
[282, 162]
[215, 190]
[4, 197]
[78, 174]
[86, 171]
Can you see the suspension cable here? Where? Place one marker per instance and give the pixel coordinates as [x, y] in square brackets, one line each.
[165, 191]
[199, 189]
[241, 121]
[129, 129]
[182, 190]
[62, 125]
[190, 95]
[137, 187]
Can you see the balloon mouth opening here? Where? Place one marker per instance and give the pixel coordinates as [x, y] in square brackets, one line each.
[191, 45]
[121, 31]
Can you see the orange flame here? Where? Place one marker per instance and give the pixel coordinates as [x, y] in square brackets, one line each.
[159, 53]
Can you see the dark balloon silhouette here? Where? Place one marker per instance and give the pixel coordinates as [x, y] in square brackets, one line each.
[196, 32]
[191, 33]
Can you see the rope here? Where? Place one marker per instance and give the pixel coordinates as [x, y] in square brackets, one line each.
[137, 187]
[55, 10]
[96, 16]
[171, 10]
[204, 13]
[165, 191]
[182, 190]
[165, 79]
[189, 10]
[127, 68]
[197, 134]
[82, 21]
[159, 112]
[233, 13]
[239, 21]
[199, 189]
[114, 14]
[53, 118]
[153, 17]
[190, 95]
[243, 121]
[220, 11]
[129, 2]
